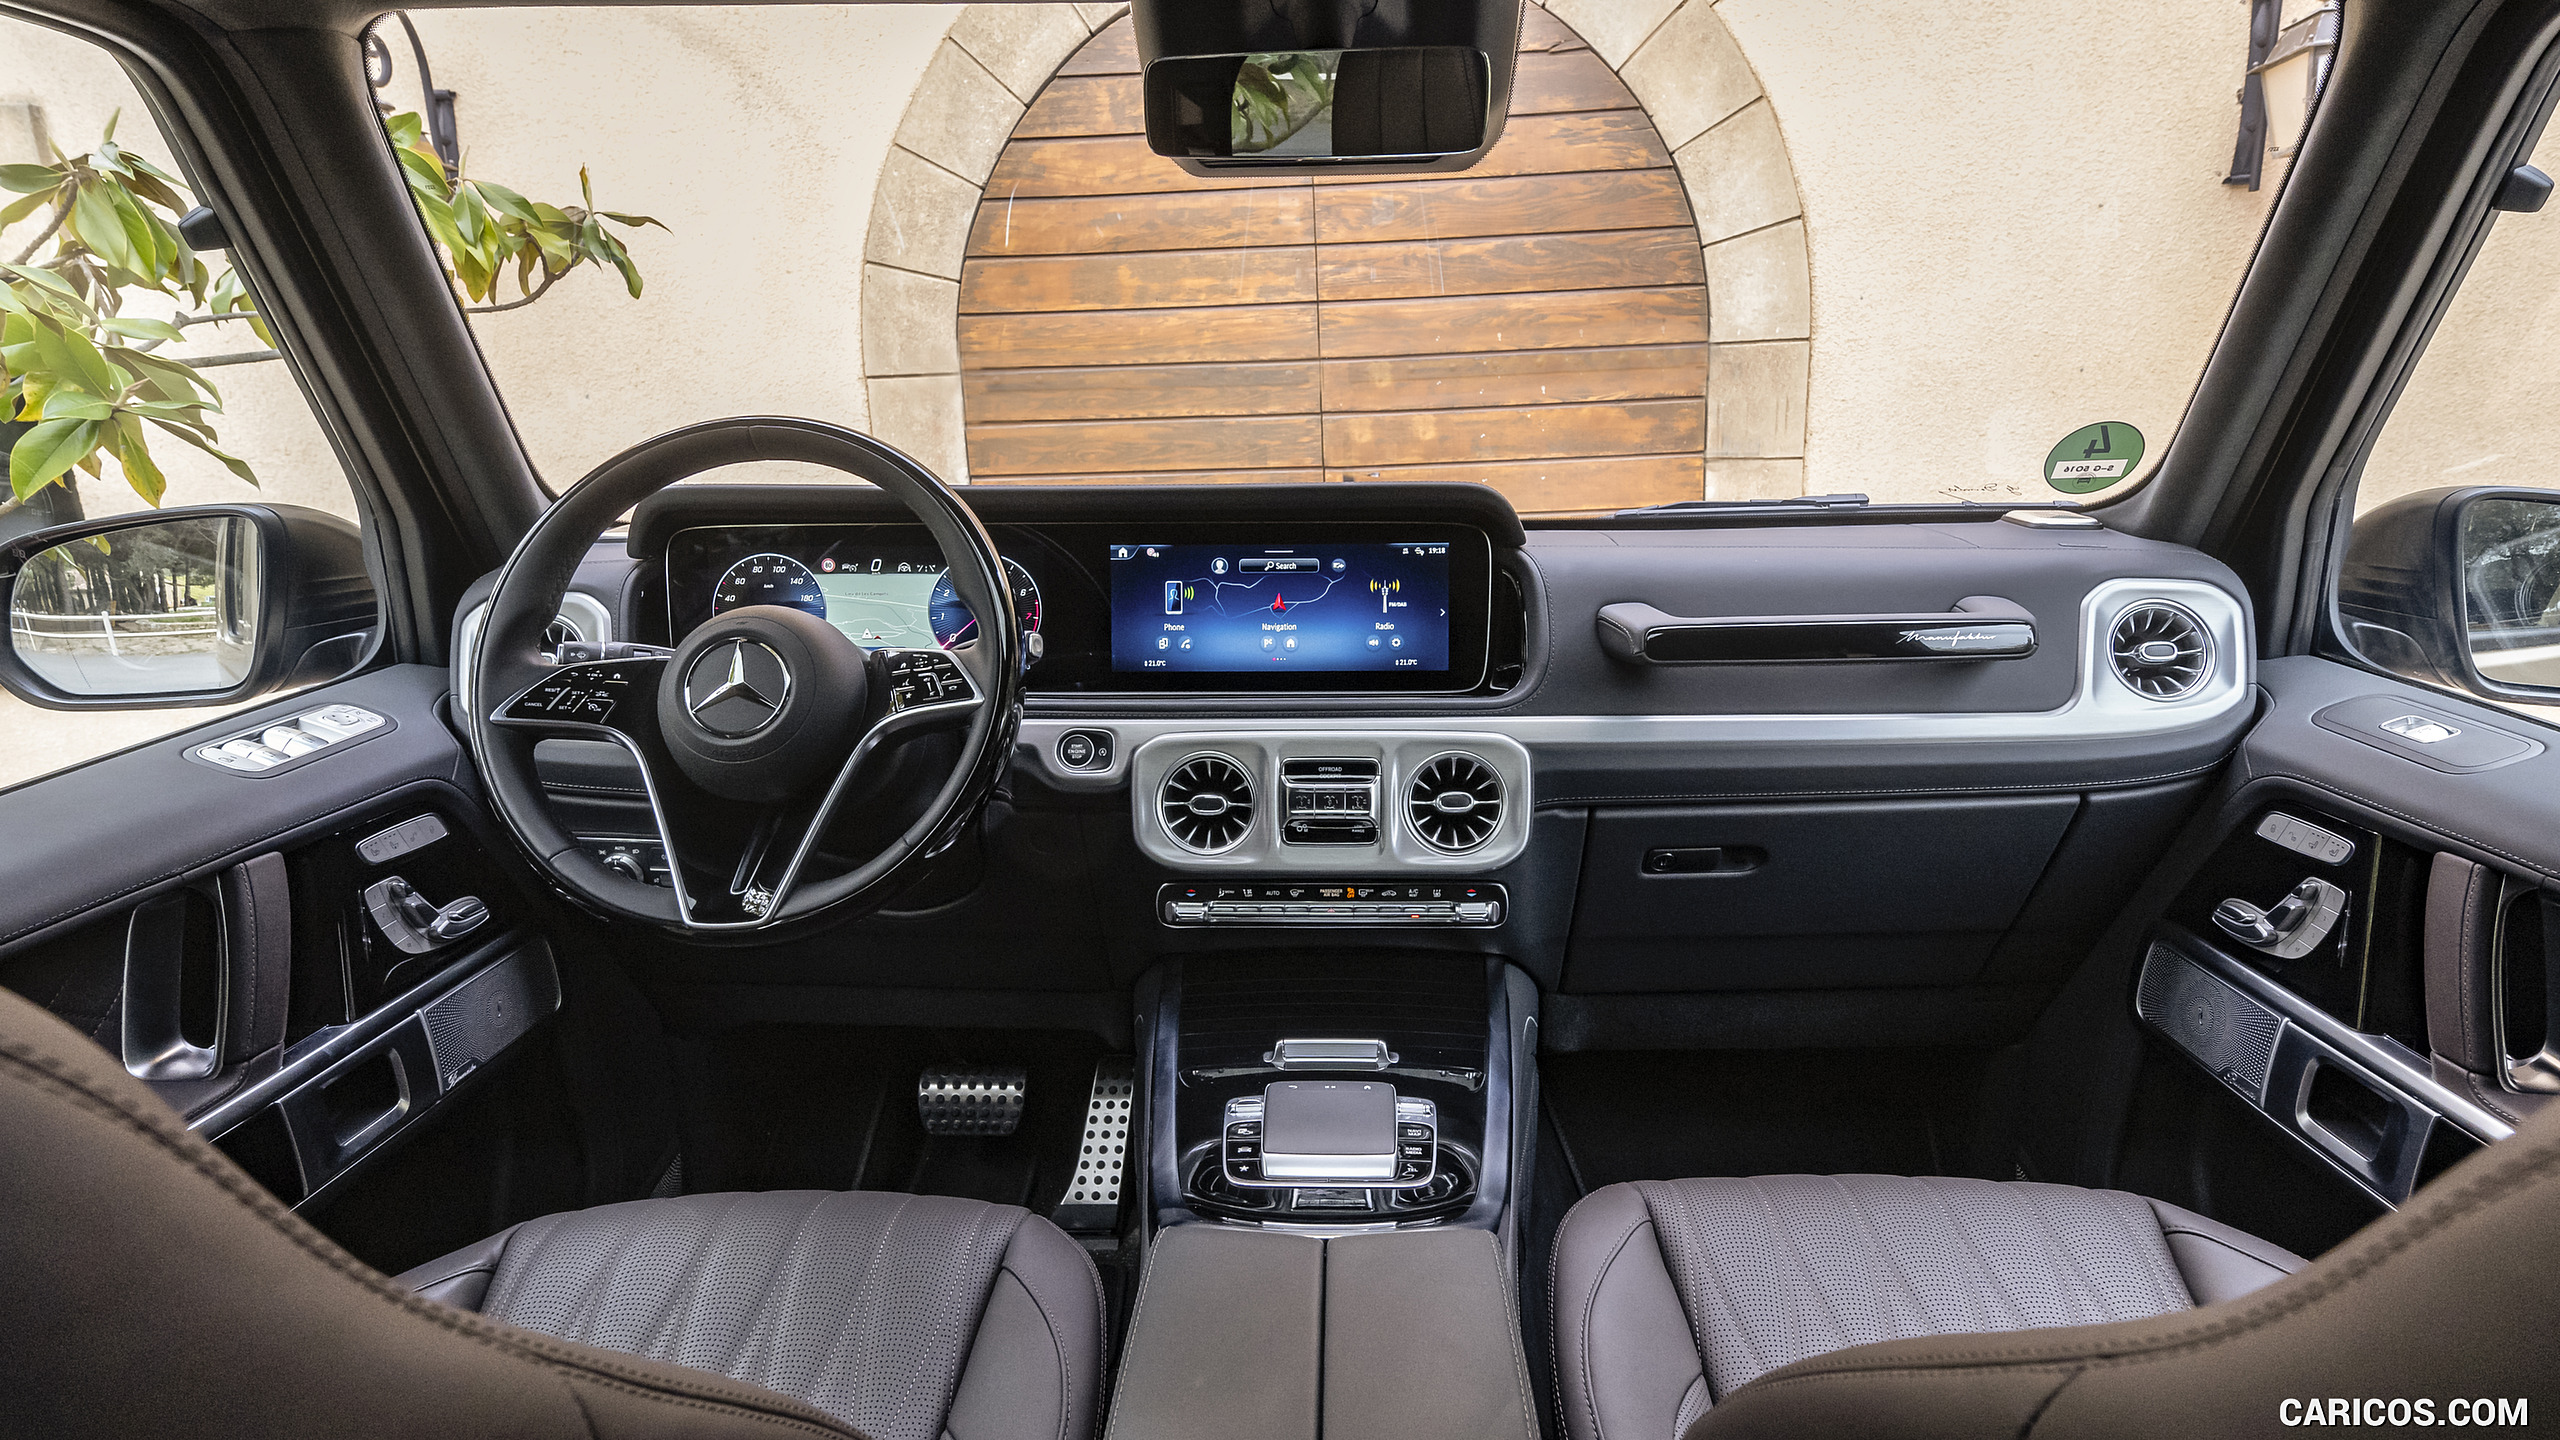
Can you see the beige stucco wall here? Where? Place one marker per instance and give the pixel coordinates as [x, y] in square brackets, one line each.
[2003, 257]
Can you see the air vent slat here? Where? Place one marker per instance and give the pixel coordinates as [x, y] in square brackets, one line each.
[1455, 802]
[2160, 651]
[1207, 804]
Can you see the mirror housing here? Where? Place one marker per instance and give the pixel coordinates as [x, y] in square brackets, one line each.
[2459, 587]
[258, 598]
[1400, 86]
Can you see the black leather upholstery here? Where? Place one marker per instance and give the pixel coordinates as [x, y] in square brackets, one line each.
[908, 1317]
[1669, 1295]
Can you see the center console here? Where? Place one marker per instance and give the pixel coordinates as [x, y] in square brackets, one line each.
[1368, 1090]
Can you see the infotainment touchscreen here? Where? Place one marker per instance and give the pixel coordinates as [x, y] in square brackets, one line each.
[1271, 609]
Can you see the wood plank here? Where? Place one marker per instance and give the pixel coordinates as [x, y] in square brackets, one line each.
[1112, 445]
[1542, 31]
[1177, 221]
[1138, 282]
[1112, 51]
[1569, 487]
[1557, 144]
[1550, 81]
[1226, 334]
[1523, 377]
[1161, 477]
[1598, 260]
[1527, 205]
[1106, 165]
[1473, 324]
[1135, 392]
[1528, 432]
[1085, 105]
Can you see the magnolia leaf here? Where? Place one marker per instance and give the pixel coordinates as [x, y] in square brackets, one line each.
[29, 179]
[19, 209]
[231, 463]
[39, 275]
[133, 452]
[143, 329]
[68, 354]
[632, 220]
[405, 128]
[586, 190]
[72, 405]
[622, 261]
[171, 380]
[48, 450]
[112, 117]
[505, 201]
[95, 223]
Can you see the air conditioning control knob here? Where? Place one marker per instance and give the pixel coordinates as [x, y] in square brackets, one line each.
[627, 865]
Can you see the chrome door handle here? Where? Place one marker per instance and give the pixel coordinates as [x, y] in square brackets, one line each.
[2293, 927]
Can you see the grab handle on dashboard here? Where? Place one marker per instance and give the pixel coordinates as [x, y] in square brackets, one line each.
[1981, 627]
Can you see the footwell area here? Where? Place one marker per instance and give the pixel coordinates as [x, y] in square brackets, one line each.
[1662, 1115]
[830, 1107]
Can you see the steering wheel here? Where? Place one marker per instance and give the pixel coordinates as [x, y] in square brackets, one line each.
[750, 733]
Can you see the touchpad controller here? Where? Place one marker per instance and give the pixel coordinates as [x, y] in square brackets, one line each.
[1330, 1132]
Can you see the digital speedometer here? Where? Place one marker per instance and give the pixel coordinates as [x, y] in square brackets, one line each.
[769, 580]
[954, 626]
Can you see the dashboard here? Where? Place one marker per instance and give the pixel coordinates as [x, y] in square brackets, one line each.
[1133, 605]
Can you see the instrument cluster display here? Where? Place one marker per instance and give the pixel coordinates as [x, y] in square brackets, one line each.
[881, 595]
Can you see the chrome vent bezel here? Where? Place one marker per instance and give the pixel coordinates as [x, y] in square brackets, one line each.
[2147, 621]
[1460, 833]
[1200, 774]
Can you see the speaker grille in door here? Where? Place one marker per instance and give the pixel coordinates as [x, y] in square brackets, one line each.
[492, 1010]
[2225, 1031]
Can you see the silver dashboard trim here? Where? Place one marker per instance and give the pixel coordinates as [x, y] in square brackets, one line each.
[2102, 708]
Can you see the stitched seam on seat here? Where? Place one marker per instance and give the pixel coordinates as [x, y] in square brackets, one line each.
[1057, 1348]
[1590, 1304]
[1803, 1266]
[1555, 1326]
[35, 1069]
[2093, 1297]
[1137, 1312]
[1857, 1207]
[1972, 1242]
[2471, 1041]
[1519, 1353]
[2262, 1264]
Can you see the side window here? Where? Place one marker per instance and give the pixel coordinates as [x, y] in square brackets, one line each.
[2452, 576]
[137, 376]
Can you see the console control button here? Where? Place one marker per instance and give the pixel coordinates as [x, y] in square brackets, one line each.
[1334, 903]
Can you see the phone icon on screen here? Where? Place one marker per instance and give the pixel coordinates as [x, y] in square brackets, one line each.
[1173, 597]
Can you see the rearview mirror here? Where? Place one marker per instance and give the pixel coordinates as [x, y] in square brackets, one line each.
[205, 606]
[2460, 587]
[1400, 105]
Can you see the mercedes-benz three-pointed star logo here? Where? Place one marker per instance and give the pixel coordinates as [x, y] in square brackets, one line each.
[739, 694]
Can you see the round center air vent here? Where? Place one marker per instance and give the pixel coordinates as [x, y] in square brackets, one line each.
[1454, 802]
[2161, 651]
[1207, 803]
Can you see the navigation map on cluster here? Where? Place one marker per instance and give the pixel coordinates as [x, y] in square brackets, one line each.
[1230, 608]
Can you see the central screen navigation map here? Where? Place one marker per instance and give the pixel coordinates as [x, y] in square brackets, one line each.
[1323, 607]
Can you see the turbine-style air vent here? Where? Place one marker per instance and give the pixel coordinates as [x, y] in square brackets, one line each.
[1207, 803]
[1454, 803]
[2161, 651]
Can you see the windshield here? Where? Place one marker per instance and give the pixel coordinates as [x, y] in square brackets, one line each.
[1913, 251]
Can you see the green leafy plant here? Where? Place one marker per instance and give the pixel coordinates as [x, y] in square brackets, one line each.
[1277, 96]
[83, 383]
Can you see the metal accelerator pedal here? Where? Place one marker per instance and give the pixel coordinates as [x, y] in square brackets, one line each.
[971, 1099]
[1092, 1202]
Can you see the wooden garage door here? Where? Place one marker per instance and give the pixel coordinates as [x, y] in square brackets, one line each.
[1538, 323]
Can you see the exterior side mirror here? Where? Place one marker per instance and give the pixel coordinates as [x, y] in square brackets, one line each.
[2460, 587]
[209, 605]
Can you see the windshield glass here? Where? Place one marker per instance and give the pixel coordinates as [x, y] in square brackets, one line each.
[1752, 250]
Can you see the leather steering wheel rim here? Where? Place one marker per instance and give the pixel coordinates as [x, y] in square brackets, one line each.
[506, 662]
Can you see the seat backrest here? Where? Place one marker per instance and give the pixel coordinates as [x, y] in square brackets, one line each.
[147, 1286]
[2443, 1301]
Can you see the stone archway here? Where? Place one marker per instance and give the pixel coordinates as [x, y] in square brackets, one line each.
[1676, 60]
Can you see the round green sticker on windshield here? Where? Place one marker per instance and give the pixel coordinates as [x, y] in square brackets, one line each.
[2093, 457]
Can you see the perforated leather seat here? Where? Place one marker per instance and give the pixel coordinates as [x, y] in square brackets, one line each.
[1671, 1295]
[907, 1317]
[152, 1288]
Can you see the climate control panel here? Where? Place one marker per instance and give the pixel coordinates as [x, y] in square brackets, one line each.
[1472, 903]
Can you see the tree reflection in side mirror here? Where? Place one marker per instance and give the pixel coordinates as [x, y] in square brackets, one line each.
[163, 609]
[2510, 565]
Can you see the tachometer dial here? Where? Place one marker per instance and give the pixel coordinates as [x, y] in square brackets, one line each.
[954, 626]
[769, 580]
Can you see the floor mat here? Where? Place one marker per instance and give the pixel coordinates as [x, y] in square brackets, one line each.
[829, 1107]
[1665, 1115]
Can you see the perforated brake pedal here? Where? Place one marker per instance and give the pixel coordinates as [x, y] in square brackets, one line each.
[1092, 1201]
[971, 1100]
